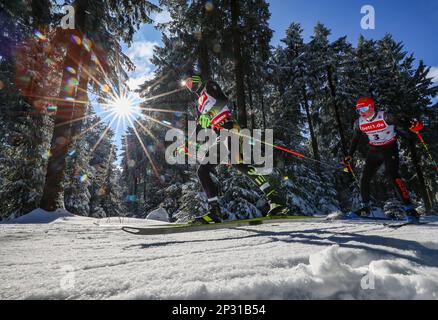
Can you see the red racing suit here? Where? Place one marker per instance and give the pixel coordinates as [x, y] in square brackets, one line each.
[382, 131]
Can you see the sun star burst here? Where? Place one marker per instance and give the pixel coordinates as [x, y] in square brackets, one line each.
[123, 106]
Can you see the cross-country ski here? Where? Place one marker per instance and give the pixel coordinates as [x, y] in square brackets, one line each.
[187, 228]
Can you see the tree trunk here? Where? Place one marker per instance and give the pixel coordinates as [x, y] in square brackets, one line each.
[251, 103]
[311, 129]
[423, 188]
[314, 141]
[62, 135]
[145, 178]
[136, 194]
[336, 109]
[238, 65]
[204, 60]
[262, 103]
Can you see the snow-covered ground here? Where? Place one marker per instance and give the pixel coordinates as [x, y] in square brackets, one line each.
[71, 257]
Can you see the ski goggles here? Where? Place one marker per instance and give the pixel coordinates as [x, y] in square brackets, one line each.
[363, 109]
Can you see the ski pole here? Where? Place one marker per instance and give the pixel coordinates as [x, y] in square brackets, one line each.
[415, 128]
[426, 147]
[349, 169]
[290, 151]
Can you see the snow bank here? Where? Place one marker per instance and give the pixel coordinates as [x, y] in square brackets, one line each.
[159, 215]
[40, 216]
[78, 259]
[332, 273]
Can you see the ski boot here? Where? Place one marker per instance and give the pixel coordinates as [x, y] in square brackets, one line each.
[276, 209]
[365, 211]
[215, 216]
[412, 216]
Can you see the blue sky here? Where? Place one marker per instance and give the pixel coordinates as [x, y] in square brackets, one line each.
[413, 22]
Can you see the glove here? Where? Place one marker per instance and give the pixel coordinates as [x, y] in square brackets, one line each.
[181, 150]
[188, 83]
[347, 163]
[204, 121]
[193, 83]
[348, 160]
[416, 126]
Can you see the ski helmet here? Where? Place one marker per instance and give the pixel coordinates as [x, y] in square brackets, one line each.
[364, 104]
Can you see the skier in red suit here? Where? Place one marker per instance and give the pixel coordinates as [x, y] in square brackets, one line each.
[382, 131]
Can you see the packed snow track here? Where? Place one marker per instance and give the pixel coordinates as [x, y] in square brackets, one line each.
[80, 258]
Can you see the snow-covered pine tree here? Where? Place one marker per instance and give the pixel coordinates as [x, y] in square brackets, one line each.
[92, 179]
[256, 37]
[307, 187]
[331, 80]
[25, 58]
[407, 92]
[78, 177]
[104, 201]
[100, 26]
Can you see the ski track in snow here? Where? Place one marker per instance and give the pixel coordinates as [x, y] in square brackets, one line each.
[74, 258]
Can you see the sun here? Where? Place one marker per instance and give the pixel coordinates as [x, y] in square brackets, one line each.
[123, 106]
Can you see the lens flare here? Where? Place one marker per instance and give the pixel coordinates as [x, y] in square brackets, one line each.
[209, 6]
[49, 61]
[40, 36]
[217, 48]
[25, 78]
[94, 58]
[131, 163]
[105, 88]
[69, 90]
[52, 108]
[76, 39]
[87, 44]
[71, 70]
[47, 154]
[72, 82]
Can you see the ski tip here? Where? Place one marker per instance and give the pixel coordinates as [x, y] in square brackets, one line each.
[131, 230]
[404, 224]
